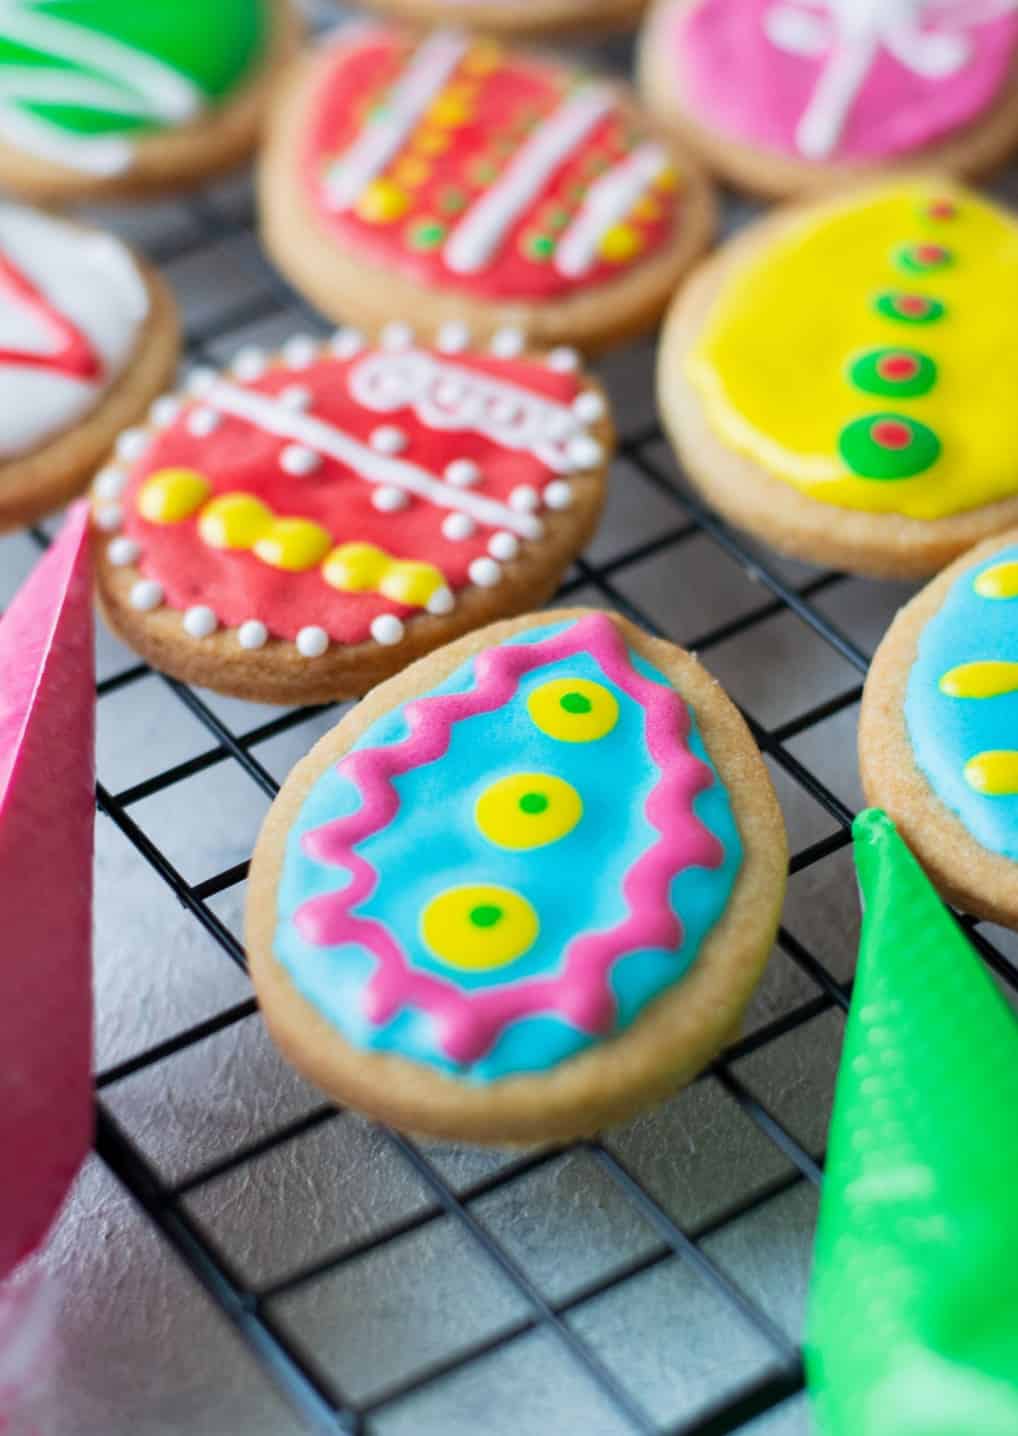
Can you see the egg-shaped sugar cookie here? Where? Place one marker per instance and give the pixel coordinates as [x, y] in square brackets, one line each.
[88, 338]
[441, 177]
[938, 731]
[840, 378]
[523, 889]
[305, 523]
[789, 96]
[113, 99]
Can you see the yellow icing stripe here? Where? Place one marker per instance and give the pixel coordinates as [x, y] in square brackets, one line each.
[988, 679]
[361, 567]
[1000, 581]
[994, 773]
[172, 495]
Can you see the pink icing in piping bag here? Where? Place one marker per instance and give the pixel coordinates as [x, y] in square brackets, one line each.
[47, 784]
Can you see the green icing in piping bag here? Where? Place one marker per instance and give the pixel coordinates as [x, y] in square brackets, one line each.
[913, 1321]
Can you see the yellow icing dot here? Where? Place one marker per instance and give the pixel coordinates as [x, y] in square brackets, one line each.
[411, 171]
[431, 142]
[171, 495]
[574, 710]
[528, 810]
[362, 567]
[478, 927]
[293, 544]
[619, 243]
[482, 59]
[647, 210]
[450, 111]
[1000, 581]
[382, 202]
[235, 521]
[987, 679]
[668, 180]
[994, 773]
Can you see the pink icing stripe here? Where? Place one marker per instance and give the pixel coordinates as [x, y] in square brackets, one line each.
[469, 1022]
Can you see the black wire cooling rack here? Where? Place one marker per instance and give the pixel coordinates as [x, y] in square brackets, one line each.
[313, 1392]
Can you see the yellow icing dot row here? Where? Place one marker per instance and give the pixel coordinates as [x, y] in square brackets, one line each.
[242, 522]
[362, 567]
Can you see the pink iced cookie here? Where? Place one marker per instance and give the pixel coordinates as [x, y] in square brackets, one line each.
[47, 781]
[835, 82]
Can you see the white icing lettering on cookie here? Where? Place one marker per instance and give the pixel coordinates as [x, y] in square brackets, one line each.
[454, 398]
[478, 235]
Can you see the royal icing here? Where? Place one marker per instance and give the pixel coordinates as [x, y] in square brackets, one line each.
[961, 704]
[510, 867]
[333, 494]
[81, 80]
[72, 303]
[847, 80]
[862, 355]
[476, 170]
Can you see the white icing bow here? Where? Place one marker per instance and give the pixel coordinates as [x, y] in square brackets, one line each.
[928, 37]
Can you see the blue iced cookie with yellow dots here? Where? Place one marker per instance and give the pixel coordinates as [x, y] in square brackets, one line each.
[523, 889]
[938, 735]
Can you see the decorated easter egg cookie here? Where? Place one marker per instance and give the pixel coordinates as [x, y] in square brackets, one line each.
[109, 97]
[840, 379]
[517, 17]
[443, 177]
[88, 337]
[785, 96]
[523, 889]
[303, 525]
[938, 733]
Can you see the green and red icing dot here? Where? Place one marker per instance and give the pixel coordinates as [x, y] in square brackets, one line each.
[909, 308]
[941, 209]
[888, 446]
[924, 257]
[900, 373]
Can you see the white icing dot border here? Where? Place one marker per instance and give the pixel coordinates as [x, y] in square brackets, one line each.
[300, 352]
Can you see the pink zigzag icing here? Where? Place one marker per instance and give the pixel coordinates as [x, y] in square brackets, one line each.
[469, 1022]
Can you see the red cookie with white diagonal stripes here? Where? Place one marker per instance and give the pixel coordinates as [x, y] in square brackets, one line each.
[443, 177]
[303, 525]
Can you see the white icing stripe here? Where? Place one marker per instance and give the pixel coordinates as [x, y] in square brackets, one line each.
[138, 84]
[608, 201]
[382, 139]
[452, 397]
[479, 233]
[275, 418]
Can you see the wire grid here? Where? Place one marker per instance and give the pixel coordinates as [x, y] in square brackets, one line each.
[313, 1392]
